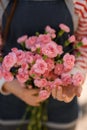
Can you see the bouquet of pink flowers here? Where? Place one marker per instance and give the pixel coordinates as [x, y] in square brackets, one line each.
[42, 63]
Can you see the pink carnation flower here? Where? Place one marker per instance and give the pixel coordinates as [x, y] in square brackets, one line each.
[29, 57]
[59, 68]
[66, 79]
[33, 74]
[46, 74]
[64, 27]
[24, 66]
[8, 76]
[14, 50]
[60, 49]
[21, 58]
[48, 29]
[44, 38]
[69, 61]
[57, 82]
[50, 49]
[50, 64]
[9, 61]
[22, 39]
[31, 41]
[77, 79]
[51, 31]
[44, 94]
[22, 76]
[33, 48]
[51, 76]
[37, 56]
[40, 66]
[72, 39]
[41, 83]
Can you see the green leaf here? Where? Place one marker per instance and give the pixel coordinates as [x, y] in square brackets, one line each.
[38, 50]
[66, 43]
[60, 33]
[1, 59]
[46, 32]
[78, 54]
[33, 75]
[45, 57]
[59, 61]
[33, 62]
[37, 33]
[57, 57]
[23, 46]
[79, 44]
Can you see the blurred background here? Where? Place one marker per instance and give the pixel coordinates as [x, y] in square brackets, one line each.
[82, 122]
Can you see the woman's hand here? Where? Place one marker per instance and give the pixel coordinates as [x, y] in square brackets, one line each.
[66, 93]
[29, 96]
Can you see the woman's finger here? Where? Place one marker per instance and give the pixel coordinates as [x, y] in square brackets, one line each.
[78, 91]
[59, 95]
[54, 93]
[34, 91]
[68, 99]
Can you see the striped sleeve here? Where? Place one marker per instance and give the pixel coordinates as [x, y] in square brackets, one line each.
[81, 32]
[81, 11]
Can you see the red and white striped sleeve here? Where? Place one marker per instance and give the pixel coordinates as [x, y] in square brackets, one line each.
[81, 32]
